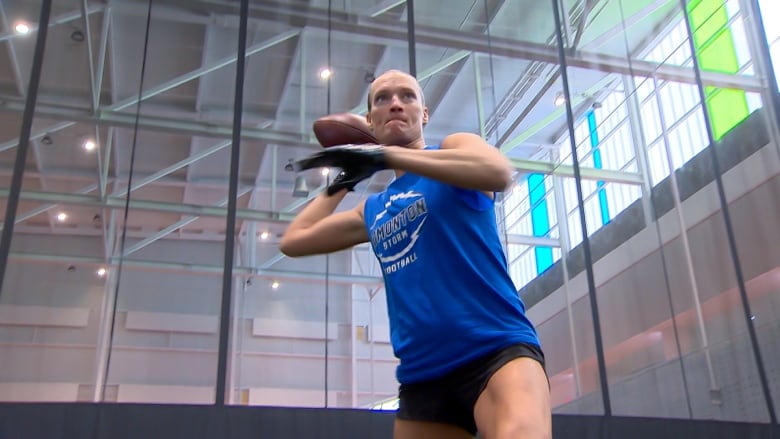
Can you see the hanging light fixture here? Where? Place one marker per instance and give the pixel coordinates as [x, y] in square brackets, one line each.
[301, 189]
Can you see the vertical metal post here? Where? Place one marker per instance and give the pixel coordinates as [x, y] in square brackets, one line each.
[103, 342]
[410, 35]
[732, 241]
[107, 316]
[24, 139]
[352, 349]
[594, 306]
[274, 177]
[371, 329]
[643, 166]
[566, 23]
[640, 148]
[478, 95]
[302, 57]
[230, 228]
[714, 387]
[563, 231]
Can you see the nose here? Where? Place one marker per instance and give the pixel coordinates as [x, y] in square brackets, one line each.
[395, 104]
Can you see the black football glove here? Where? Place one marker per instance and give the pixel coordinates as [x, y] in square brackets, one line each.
[356, 158]
[348, 179]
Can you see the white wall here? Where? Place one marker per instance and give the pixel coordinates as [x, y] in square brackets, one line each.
[165, 336]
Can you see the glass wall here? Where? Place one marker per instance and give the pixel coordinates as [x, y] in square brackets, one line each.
[145, 195]
[663, 261]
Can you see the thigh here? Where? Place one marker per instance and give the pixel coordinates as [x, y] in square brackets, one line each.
[404, 429]
[515, 402]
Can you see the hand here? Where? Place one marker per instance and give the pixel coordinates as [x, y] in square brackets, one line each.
[351, 157]
[348, 179]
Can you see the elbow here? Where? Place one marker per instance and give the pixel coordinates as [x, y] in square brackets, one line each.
[501, 178]
[288, 248]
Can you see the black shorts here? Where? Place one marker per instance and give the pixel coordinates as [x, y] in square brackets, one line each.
[450, 399]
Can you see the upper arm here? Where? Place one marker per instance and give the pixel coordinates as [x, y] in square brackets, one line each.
[474, 143]
[335, 232]
[488, 155]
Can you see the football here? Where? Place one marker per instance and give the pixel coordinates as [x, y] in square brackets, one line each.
[342, 129]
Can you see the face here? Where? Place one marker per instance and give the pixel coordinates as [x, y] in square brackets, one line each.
[397, 113]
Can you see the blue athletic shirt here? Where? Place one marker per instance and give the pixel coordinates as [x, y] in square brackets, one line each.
[450, 299]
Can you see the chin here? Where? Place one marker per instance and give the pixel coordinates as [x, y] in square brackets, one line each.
[397, 140]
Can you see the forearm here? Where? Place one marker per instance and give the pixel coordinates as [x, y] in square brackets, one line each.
[318, 229]
[319, 208]
[477, 168]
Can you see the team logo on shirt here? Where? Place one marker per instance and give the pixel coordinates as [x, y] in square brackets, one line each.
[393, 237]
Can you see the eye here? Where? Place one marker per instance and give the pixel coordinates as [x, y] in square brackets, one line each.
[410, 96]
[379, 98]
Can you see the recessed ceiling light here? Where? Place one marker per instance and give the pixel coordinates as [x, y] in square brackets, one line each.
[89, 145]
[62, 216]
[101, 272]
[264, 235]
[326, 73]
[560, 99]
[22, 28]
[275, 285]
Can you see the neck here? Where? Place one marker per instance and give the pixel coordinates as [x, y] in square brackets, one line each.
[415, 144]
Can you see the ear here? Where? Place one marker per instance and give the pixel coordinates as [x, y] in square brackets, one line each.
[425, 116]
[368, 121]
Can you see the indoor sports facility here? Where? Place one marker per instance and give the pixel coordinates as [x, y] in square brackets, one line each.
[143, 194]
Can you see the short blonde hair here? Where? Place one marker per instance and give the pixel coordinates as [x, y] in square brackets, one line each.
[416, 83]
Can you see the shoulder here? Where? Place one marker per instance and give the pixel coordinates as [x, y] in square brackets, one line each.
[462, 139]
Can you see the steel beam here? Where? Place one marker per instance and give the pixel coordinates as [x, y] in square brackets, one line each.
[383, 7]
[182, 126]
[197, 73]
[44, 208]
[425, 74]
[60, 19]
[547, 168]
[173, 227]
[630, 21]
[553, 116]
[532, 241]
[469, 41]
[20, 88]
[174, 167]
[156, 206]
[291, 275]
[5, 146]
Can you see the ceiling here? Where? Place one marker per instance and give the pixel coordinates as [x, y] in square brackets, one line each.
[486, 66]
